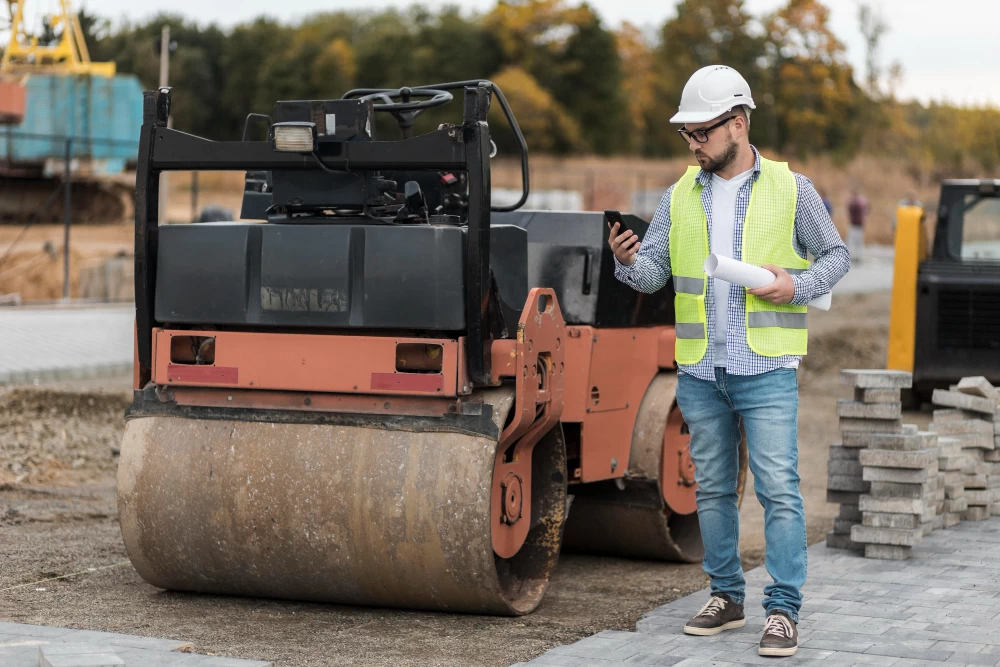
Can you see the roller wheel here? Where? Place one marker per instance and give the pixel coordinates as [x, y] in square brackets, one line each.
[334, 513]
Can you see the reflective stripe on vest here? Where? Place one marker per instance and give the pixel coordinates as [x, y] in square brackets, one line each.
[768, 234]
[689, 330]
[689, 285]
[772, 319]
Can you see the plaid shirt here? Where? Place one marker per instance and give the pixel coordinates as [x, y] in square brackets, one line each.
[814, 231]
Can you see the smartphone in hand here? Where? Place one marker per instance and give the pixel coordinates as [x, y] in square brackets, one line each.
[612, 217]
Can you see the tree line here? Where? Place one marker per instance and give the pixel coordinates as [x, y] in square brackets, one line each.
[575, 85]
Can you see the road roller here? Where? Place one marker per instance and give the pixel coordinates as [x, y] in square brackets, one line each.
[377, 387]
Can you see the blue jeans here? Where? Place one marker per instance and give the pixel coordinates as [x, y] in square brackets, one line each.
[768, 405]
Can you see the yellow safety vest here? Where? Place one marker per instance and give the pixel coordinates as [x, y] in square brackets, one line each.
[768, 233]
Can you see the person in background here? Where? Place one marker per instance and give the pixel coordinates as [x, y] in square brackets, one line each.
[857, 210]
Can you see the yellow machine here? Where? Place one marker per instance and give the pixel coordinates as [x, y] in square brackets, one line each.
[945, 320]
[67, 55]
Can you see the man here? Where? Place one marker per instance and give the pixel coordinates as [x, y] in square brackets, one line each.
[737, 350]
[857, 210]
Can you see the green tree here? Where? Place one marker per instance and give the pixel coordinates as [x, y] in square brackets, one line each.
[570, 53]
[811, 84]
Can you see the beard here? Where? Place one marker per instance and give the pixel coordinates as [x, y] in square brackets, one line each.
[716, 164]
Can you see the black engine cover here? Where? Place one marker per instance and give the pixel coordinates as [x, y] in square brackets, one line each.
[328, 275]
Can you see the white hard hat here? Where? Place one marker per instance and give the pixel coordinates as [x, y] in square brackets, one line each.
[711, 92]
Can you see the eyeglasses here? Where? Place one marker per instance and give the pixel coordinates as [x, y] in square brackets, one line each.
[701, 136]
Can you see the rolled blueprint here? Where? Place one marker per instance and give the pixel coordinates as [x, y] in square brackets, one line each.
[750, 276]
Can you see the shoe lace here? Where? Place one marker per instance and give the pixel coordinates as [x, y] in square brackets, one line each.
[712, 607]
[776, 624]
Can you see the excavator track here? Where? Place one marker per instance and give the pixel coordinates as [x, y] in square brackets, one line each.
[635, 516]
[340, 513]
[26, 200]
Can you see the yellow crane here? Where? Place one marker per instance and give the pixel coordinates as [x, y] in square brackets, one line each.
[68, 54]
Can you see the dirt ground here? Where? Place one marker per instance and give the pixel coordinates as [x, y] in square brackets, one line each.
[58, 454]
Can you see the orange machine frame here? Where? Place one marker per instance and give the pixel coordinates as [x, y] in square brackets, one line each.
[606, 374]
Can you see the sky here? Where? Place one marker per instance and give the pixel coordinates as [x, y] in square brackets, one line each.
[949, 50]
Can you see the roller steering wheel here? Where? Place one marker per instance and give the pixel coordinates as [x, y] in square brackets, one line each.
[406, 110]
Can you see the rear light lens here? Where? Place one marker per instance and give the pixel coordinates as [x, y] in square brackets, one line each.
[295, 137]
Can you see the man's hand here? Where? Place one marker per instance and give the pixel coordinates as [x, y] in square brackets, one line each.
[782, 290]
[624, 245]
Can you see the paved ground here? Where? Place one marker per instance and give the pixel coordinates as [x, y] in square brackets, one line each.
[942, 606]
[64, 343]
[872, 274]
[25, 645]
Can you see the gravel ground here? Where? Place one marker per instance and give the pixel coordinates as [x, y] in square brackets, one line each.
[58, 453]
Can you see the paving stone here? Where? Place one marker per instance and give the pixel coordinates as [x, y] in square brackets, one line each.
[892, 536]
[877, 395]
[852, 483]
[845, 497]
[899, 475]
[859, 410]
[899, 490]
[954, 414]
[974, 482]
[955, 399]
[949, 463]
[847, 468]
[977, 386]
[883, 458]
[851, 512]
[903, 651]
[888, 552]
[838, 541]
[963, 427]
[843, 526]
[876, 379]
[891, 505]
[954, 490]
[976, 514]
[888, 520]
[841, 453]
[977, 497]
[82, 660]
[952, 477]
[848, 424]
[952, 519]
[908, 438]
[956, 505]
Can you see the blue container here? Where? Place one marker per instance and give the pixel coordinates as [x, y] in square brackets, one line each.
[91, 109]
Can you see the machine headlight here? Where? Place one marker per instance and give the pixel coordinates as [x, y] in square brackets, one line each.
[295, 137]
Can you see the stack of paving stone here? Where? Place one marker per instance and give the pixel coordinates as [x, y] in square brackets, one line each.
[967, 426]
[898, 493]
[875, 410]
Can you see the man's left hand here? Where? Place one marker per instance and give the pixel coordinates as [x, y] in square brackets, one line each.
[781, 291]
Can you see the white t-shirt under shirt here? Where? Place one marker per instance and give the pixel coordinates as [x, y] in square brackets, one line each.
[723, 222]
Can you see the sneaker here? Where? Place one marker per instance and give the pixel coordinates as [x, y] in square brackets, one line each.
[781, 637]
[719, 613]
